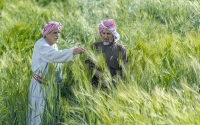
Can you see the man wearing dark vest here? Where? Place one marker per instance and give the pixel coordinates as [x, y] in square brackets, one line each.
[112, 51]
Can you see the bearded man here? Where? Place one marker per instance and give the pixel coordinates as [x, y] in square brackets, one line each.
[112, 51]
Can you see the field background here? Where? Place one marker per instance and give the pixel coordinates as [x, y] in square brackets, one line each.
[161, 84]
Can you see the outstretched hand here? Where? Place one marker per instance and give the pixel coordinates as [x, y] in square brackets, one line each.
[78, 50]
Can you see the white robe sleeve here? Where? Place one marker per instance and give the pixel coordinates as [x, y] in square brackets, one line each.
[52, 55]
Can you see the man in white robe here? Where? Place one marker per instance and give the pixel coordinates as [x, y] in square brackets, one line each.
[45, 51]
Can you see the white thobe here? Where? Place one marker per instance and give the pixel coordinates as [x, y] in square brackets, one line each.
[43, 53]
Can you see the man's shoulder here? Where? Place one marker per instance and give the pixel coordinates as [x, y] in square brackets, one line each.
[41, 41]
[99, 43]
[120, 46]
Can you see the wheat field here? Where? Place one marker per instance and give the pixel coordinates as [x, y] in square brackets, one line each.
[162, 81]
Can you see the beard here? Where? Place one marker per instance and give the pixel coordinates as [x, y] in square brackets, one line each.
[107, 43]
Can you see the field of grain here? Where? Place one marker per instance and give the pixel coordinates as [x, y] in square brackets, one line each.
[162, 82]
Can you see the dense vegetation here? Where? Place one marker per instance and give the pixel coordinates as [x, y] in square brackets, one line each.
[161, 84]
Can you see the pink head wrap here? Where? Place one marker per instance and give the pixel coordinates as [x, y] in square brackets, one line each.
[111, 26]
[48, 27]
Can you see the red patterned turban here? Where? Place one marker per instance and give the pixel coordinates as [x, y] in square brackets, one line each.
[48, 27]
[111, 26]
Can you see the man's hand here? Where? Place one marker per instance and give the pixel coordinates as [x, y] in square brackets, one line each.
[98, 73]
[78, 50]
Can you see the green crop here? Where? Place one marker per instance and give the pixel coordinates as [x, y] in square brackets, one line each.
[161, 83]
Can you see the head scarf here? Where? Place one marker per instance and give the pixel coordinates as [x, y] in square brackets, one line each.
[48, 27]
[111, 26]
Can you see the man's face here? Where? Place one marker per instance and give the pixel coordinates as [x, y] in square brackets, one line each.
[53, 36]
[107, 35]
